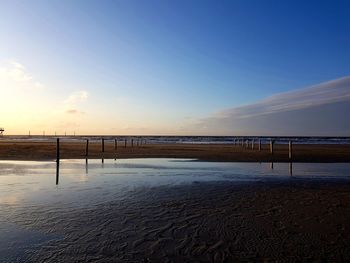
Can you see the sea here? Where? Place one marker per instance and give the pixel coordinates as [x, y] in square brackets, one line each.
[190, 139]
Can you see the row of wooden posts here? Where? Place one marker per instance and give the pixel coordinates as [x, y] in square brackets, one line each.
[241, 142]
[245, 144]
[132, 144]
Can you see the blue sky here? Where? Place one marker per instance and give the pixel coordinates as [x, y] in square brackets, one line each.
[152, 66]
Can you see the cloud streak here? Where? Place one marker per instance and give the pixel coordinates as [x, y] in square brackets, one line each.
[315, 110]
[324, 93]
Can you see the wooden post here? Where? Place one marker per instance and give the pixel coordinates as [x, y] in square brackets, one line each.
[115, 149]
[271, 146]
[57, 160]
[259, 145]
[57, 150]
[252, 144]
[125, 141]
[87, 149]
[103, 148]
[132, 142]
[290, 150]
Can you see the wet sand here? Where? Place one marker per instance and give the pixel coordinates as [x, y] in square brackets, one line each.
[282, 220]
[27, 150]
[292, 220]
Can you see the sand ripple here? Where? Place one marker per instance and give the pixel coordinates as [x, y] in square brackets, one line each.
[207, 222]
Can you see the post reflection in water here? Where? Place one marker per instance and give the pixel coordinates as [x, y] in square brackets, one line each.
[57, 172]
[115, 165]
[86, 167]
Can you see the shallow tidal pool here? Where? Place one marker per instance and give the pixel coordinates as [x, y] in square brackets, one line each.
[37, 199]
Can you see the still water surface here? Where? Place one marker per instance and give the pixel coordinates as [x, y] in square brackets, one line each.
[26, 185]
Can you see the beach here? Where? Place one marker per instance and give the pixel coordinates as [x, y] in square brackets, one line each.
[206, 222]
[143, 207]
[46, 150]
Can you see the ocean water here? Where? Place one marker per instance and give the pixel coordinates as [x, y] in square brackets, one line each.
[192, 139]
[35, 192]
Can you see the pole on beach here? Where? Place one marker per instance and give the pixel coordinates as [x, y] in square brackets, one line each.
[290, 150]
[57, 159]
[87, 150]
[132, 143]
[259, 145]
[271, 146]
[102, 148]
[57, 150]
[252, 144]
[125, 141]
[115, 149]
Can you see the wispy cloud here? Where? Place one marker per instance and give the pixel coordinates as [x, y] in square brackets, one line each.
[324, 93]
[73, 101]
[72, 111]
[14, 75]
[77, 97]
[312, 110]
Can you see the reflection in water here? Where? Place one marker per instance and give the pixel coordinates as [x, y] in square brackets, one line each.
[57, 171]
[172, 170]
[27, 180]
[127, 200]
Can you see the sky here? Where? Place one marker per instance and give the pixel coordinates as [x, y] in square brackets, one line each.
[174, 67]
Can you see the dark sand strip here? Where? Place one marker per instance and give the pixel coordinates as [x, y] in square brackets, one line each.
[10, 150]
